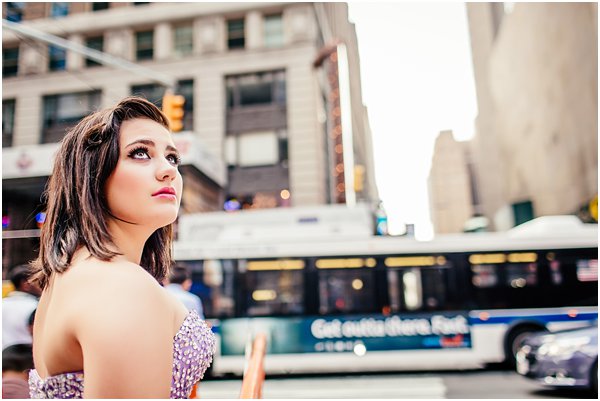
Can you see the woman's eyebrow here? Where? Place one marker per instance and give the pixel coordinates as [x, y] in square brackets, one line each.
[143, 141]
[151, 143]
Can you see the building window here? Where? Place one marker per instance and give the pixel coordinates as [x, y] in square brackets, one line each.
[235, 34]
[256, 89]
[14, 11]
[96, 43]
[152, 92]
[273, 30]
[57, 58]
[59, 10]
[98, 6]
[183, 40]
[8, 122]
[62, 112]
[523, 211]
[10, 62]
[257, 149]
[144, 45]
[260, 148]
[257, 200]
[186, 89]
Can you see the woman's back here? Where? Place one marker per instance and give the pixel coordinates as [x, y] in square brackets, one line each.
[96, 318]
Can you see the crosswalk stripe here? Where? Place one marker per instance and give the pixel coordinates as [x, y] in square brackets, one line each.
[349, 387]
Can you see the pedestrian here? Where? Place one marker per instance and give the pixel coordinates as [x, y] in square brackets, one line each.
[18, 306]
[179, 284]
[17, 360]
[105, 246]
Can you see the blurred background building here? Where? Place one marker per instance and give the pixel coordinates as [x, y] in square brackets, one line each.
[273, 113]
[451, 180]
[535, 148]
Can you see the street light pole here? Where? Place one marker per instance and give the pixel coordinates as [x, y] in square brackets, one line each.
[93, 54]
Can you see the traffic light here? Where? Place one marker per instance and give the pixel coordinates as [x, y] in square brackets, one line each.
[359, 178]
[172, 106]
[593, 207]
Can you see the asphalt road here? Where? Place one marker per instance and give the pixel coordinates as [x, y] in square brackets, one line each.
[480, 384]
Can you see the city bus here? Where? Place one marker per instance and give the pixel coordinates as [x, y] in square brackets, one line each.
[338, 303]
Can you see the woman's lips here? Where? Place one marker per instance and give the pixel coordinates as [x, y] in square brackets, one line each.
[167, 192]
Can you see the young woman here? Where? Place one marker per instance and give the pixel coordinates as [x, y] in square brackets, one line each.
[104, 327]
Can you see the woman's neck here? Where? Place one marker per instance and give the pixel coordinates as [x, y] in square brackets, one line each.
[129, 239]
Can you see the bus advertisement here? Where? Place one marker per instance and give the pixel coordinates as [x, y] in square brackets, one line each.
[374, 303]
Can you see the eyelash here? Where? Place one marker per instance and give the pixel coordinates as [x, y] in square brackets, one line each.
[176, 159]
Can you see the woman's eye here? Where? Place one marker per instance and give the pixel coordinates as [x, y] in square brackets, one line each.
[173, 159]
[140, 154]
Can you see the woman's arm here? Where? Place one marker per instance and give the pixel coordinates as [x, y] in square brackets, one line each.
[127, 343]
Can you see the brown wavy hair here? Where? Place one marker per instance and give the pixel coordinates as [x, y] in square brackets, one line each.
[77, 209]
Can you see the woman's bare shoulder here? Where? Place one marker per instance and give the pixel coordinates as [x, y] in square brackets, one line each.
[120, 273]
[113, 287]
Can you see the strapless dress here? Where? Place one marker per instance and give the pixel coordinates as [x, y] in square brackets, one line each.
[193, 349]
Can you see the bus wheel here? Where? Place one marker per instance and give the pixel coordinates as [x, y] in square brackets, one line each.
[514, 340]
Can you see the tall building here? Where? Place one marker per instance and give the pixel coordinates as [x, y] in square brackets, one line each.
[273, 113]
[453, 196]
[536, 76]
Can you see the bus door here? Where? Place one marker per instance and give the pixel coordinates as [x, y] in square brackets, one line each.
[426, 288]
[421, 283]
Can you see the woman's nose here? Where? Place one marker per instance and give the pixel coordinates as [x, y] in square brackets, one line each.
[166, 171]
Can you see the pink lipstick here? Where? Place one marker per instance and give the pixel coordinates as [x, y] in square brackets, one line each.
[166, 192]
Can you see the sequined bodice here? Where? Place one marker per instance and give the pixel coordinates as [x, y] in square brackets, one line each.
[193, 348]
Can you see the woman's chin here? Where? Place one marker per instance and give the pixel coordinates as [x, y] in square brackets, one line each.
[164, 221]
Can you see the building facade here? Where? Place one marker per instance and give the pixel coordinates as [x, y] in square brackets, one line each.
[453, 197]
[536, 77]
[265, 113]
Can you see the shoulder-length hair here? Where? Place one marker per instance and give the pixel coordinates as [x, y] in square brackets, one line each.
[77, 209]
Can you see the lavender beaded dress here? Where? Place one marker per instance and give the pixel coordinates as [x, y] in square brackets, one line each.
[193, 348]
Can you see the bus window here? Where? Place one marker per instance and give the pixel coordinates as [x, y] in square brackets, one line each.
[419, 289]
[436, 284]
[413, 290]
[484, 276]
[213, 282]
[555, 273]
[578, 272]
[587, 270]
[346, 291]
[274, 292]
[521, 275]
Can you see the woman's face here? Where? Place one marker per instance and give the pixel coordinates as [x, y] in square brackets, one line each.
[146, 187]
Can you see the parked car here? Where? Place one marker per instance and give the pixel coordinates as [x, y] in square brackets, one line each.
[561, 359]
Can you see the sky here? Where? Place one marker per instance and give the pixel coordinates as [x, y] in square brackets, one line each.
[417, 80]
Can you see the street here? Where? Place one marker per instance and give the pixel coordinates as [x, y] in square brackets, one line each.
[488, 384]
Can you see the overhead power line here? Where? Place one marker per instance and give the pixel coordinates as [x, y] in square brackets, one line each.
[96, 55]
